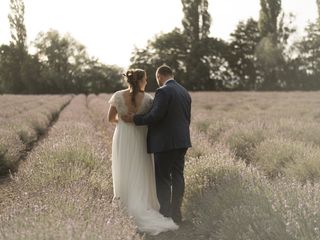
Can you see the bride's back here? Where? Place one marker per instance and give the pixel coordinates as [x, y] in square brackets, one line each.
[138, 101]
[124, 104]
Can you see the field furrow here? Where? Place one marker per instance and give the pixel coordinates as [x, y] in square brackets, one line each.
[20, 131]
[64, 188]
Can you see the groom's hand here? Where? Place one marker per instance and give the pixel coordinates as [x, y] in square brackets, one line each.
[127, 118]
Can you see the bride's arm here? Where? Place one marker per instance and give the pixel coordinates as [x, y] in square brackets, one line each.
[157, 112]
[113, 114]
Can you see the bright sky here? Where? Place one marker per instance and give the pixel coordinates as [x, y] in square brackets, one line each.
[111, 29]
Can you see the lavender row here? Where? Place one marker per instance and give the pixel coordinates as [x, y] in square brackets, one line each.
[12, 105]
[226, 199]
[64, 188]
[20, 131]
[279, 133]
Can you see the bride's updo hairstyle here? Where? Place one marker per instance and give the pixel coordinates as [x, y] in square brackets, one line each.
[133, 76]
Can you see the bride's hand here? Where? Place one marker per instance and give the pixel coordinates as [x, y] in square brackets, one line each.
[127, 118]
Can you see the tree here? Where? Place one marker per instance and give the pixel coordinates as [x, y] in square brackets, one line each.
[220, 75]
[268, 52]
[268, 21]
[144, 58]
[242, 57]
[16, 54]
[172, 49]
[67, 68]
[309, 53]
[17, 27]
[168, 48]
[199, 62]
[10, 69]
[63, 59]
[61, 64]
[196, 28]
[99, 77]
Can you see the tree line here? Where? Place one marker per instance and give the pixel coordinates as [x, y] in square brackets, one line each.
[259, 56]
[59, 65]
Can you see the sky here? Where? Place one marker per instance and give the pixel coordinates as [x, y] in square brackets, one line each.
[110, 29]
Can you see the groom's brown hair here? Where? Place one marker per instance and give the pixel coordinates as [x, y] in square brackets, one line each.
[165, 70]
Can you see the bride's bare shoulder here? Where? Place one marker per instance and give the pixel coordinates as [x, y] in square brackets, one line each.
[123, 90]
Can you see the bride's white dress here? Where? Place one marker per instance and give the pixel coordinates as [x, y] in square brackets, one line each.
[133, 171]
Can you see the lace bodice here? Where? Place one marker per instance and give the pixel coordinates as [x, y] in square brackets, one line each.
[117, 100]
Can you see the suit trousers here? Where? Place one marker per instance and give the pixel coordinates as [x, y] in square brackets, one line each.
[169, 167]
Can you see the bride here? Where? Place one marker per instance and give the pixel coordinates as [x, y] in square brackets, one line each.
[132, 167]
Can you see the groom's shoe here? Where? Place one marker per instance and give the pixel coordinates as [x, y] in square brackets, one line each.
[177, 221]
[164, 212]
[177, 218]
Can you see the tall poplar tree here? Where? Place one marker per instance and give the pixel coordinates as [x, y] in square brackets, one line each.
[196, 28]
[17, 27]
[268, 21]
[18, 46]
[268, 51]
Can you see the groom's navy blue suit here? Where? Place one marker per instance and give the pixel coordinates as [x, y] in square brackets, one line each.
[169, 138]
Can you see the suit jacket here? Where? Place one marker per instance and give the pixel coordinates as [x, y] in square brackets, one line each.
[168, 119]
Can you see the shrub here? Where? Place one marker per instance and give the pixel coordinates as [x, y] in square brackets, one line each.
[244, 139]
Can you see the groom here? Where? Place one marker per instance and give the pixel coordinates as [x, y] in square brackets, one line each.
[168, 139]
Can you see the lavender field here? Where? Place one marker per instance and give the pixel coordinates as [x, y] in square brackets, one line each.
[253, 171]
